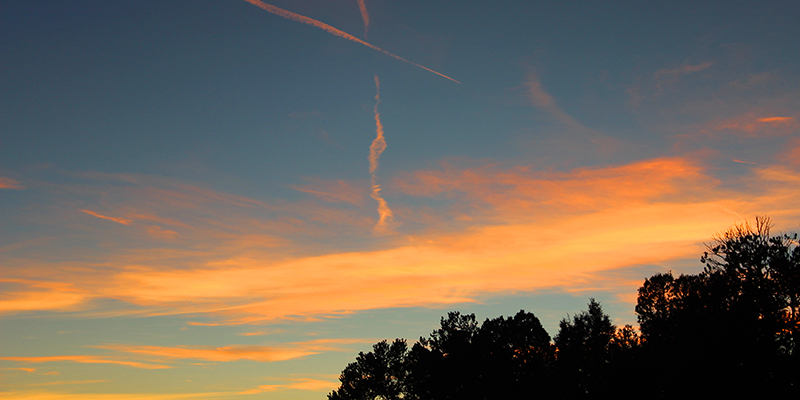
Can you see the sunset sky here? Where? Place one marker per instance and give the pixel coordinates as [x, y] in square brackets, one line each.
[229, 199]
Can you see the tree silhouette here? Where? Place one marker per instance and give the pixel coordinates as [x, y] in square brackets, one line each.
[730, 331]
[735, 324]
[446, 365]
[378, 374]
[583, 349]
[758, 277]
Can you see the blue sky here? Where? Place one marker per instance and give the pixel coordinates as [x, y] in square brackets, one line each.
[187, 208]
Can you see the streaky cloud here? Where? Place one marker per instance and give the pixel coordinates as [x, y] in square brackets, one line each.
[327, 28]
[85, 360]
[299, 384]
[123, 221]
[685, 69]
[8, 183]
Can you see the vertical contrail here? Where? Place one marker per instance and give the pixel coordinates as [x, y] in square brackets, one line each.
[327, 28]
[375, 149]
[364, 16]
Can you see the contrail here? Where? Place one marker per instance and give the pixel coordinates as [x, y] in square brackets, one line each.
[375, 149]
[327, 28]
[379, 144]
[364, 16]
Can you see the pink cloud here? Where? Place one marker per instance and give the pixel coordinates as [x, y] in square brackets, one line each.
[8, 183]
[123, 221]
[752, 125]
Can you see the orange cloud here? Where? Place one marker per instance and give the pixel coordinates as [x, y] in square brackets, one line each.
[375, 149]
[215, 354]
[123, 221]
[69, 382]
[8, 183]
[527, 230]
[750, 125]
[315, 385]
[777, 119]
[327, 28]
[521, 190]
[85, 360]
[30, 295]
[40, 395]
[236, 352]
[158, 232]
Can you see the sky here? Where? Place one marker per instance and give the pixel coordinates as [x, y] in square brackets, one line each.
[231, 199]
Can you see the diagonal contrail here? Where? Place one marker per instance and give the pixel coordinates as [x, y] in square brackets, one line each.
[327, 28]
[375, 149]
[364, 15]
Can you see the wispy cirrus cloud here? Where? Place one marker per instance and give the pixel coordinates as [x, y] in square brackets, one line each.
[69, 382]
[123, 221]
[20, 369]
[335, 191]
[336, 32]
[755, 126]
[316, 385]
[528, 229]
[82, 359]
[234, 352]
[681, 70]
[44, 395]
[8, 183]
[575, 130]
[25, 295]
[544, 101]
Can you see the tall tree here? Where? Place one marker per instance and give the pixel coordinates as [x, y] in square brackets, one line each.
[445, 365]
[582, 346]
[378, 374]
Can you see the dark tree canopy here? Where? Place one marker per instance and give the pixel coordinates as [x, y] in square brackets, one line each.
[735, 323]
[730, 331]
[379, 374]
[582, 344]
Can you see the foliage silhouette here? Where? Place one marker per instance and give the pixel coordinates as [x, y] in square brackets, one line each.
[731, 330]
[379, 374]
[735, 323]
[583, 349]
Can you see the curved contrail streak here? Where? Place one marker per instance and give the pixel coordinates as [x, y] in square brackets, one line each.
[327, 28]
[364, 15]
[375, 149]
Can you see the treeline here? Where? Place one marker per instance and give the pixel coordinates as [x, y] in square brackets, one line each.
[731, 330]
